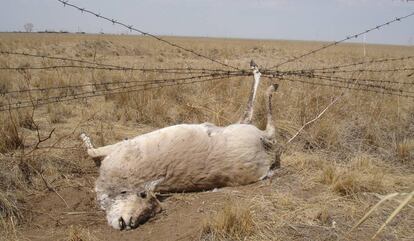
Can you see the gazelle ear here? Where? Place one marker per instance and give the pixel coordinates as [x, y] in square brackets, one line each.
[152, 185]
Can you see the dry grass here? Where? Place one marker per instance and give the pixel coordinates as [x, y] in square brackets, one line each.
[58, 113]
[11, 138]
[405, 150]
[234, 221]
[80, 234]
[362, 147]
[13, 189]
[9, 208]
[399, 209]
[361, 175]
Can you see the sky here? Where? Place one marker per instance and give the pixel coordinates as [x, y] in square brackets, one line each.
[322, 20]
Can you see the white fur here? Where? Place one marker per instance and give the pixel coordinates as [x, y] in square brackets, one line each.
[180, 158]
[256, 75]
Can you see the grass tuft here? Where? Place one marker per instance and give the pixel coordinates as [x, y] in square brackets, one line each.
[10, 137]
[232, 222]
[80, 234]
[361, 175]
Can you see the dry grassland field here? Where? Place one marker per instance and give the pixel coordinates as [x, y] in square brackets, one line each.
[360, 150]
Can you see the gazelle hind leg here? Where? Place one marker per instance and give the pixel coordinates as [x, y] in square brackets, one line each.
[100, 152]
[92, 152]
[91, 149]
[95, 153]
[86, 141]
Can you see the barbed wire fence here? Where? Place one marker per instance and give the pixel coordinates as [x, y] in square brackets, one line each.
[349, 86]
[318, 76]
[365, 62]
[147, 85]
[94, 65]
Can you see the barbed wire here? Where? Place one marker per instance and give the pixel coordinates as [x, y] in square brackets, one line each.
[354, 64]
[115, 88]
[374, 81]
[131, 28]
[97, 66]
[123, 89]
[214, 73]
[356, 81]
[278, 74]
[125, 85]
[363, 70]
[310, 73]
[6, 52]
[158, 70]
[362, 88]
[107, 83]
[161, 83]
[93, 94]
[398, 19]
[188, 70]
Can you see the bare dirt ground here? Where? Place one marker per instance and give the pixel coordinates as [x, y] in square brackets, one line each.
[337, 169]
[308, 211]
[181, 219]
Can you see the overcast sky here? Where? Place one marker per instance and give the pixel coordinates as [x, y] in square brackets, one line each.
[266, 19]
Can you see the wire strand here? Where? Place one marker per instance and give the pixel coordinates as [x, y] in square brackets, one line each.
[87, 95]
[160, 70]
[320, 74]
[354, 64]
[44, 89]
[95, 65]
[340, 86]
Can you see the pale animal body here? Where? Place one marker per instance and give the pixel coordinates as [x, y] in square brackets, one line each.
[180, 158]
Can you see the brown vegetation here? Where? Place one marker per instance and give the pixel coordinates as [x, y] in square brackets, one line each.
[234, 221]
[341, 165]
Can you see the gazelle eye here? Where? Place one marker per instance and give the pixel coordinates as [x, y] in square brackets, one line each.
[143, 194]
[124, 192]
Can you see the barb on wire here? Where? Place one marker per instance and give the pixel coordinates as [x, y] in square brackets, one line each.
[93, 94]
[132, 28]
[398, 19]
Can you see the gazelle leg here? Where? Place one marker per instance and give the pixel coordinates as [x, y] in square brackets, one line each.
[248, 113]
[100, 152]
